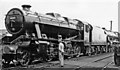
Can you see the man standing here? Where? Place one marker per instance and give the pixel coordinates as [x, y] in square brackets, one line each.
[61, 50]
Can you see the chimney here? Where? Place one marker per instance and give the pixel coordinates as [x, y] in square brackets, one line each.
[111, 25]
[26, 7]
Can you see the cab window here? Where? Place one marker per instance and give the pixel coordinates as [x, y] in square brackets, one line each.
[87, 28]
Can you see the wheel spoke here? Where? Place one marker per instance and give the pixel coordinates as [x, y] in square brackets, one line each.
[24, 58]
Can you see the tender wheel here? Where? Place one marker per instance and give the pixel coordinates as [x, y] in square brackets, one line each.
[24, 58]
[96, 51]
[117, 60]
[89, 51]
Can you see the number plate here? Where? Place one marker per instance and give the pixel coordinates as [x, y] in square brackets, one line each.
[13, 17]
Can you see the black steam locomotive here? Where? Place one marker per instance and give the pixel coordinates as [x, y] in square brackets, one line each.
[34, 37]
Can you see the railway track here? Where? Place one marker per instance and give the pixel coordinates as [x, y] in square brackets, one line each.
[79, 63]
[97, 62]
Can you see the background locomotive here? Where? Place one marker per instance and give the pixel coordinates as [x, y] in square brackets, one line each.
[34, 36]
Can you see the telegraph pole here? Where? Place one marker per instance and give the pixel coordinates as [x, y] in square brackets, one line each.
[111, 25]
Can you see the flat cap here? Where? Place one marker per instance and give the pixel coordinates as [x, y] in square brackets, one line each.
[59, 36]
[28, 6]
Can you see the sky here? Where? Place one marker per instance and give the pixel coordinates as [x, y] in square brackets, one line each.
[95, 12]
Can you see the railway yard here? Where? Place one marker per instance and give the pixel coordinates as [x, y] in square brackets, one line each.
[32, 36]
[96, 62]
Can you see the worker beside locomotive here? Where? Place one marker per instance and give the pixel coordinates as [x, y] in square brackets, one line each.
[34, 33]
[116, 49]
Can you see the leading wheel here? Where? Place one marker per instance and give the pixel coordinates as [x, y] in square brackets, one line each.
[24, 57]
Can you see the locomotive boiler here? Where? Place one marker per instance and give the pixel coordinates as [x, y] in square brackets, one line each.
[25, 21]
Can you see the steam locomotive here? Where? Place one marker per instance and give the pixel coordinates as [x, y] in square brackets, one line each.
[34, 37]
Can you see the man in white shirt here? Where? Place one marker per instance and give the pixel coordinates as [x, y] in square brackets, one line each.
[61, 50]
